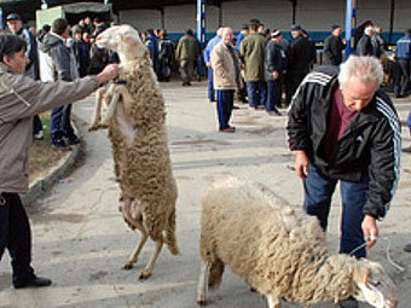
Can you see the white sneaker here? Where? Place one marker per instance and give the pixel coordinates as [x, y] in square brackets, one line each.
[39, 135]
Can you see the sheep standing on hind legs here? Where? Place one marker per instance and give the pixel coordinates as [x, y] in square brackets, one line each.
[135, 117]
[280, 252]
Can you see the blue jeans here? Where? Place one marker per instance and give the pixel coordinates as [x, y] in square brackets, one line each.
[318, 191]
[256, 91]
[225, 101]
[211, 92]
[61, 122]
[273, 95]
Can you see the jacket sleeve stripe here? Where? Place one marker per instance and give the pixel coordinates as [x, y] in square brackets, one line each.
[393, 121]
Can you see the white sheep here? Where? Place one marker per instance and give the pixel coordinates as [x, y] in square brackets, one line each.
[135, 117]
[279, 251]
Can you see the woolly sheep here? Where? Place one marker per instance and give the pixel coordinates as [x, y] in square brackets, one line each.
[135, 117]
[279, 251]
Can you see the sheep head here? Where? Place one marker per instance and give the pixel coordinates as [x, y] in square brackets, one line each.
[124, 40]
[374, 286]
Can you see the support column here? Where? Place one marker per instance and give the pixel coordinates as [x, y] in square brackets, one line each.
[294, 3]
[1, 19]
[392, 14]
[162, 18]
[350, 26]
[201, 21]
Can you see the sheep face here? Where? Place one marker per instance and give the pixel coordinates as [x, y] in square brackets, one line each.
[124, 40]
[374, 286]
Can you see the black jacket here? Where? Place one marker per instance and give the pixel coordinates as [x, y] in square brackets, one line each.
[333, 48]
[365, 47]
[273, 60]
[301, 54]
[370, 146]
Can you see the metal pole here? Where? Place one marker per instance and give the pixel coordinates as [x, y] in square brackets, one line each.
[1, 19]
[201, 21]
[392, 14]
[350, 25]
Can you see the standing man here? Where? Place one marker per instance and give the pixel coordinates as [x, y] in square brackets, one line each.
[165, 56]
[252, 56]
[300, 57]
[273, 68]
[403, 59]
[226, 68]
[63, 67]
[207, 55]
[344, 128]
[187, 53]
[20, 99]
[333, 47]
[241, 36]
[15, 25]
[365, 46]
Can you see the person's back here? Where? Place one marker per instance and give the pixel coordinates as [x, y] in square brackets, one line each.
[365, 46]
[187, 48]
[403, 50]
[252, 52]
[300, 55]
[333, 47]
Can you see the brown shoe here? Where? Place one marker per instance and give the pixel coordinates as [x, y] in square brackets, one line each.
[230, 129]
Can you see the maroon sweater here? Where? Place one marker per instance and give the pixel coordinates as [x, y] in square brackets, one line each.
[339, 117]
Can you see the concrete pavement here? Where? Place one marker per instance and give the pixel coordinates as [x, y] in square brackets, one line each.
[81, 242]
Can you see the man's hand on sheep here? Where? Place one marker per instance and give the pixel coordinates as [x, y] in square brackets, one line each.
[109, 73]
[301, 164]
[370, 230]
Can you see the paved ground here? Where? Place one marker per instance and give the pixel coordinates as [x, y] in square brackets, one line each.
[81, 242]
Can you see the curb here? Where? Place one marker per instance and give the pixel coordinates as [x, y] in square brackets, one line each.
[43, 184]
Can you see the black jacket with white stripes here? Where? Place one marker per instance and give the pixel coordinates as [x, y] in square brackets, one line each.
[370, 146]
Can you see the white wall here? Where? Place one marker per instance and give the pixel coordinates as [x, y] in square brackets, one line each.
[320, 15]
[141, 19]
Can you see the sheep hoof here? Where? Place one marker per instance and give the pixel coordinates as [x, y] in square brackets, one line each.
[93, 128]
[253, 290]
[144, 275]
[202, 301]
[128, 266]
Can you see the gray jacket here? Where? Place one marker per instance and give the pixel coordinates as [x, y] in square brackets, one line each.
[20, 99]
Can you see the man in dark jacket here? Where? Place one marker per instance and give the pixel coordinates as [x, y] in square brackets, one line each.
[81, 51]
[301, 55]
[346, 129]
[273, 68]
[15, 25]
[333, 47]
[20, 99]
[365, 46]
[403, 61]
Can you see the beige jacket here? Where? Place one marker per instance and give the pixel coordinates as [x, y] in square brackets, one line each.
[20, 99]
[222, 63]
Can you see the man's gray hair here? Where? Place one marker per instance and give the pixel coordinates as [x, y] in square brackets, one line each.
[366, 69]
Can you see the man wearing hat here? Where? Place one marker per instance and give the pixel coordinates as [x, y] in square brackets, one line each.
[15, 25]
[333, 47]
[300, 57]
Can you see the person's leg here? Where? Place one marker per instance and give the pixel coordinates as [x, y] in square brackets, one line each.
[354, 197]
[19, 245]
[405, 76]
[4, 224]
[252, 93]
[37, 127]
[183, 73]
[190, 71]
[397, 72]
[56, 128]
[318, 191]
[262, 90]
[229, 104]
[220, 109]
[269, 102]
[211, 92]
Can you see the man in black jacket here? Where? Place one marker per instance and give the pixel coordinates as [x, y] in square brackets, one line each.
[346, 129]
[333, 47]
[365, 46]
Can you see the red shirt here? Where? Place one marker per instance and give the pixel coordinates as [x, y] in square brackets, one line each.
[339, 118]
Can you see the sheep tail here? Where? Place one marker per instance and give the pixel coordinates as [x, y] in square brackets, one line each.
[170, 234]
[216, 274]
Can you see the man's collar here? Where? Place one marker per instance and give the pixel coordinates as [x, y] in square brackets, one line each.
[58, 36]
[5, 69]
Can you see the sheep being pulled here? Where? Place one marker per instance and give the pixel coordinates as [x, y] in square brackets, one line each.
[135, 117]
[279, 251]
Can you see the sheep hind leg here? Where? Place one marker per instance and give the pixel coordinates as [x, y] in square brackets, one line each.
[136, 252]
[202, 287]
[148, 270]
[273, 302]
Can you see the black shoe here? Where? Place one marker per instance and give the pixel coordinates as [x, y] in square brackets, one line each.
[72, 140]
[59, 144]
[349, 303]
[235, 107]
[407, 248]
[407, 149]
[36, 282]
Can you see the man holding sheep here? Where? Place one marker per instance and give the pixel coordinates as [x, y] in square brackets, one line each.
[342, 127]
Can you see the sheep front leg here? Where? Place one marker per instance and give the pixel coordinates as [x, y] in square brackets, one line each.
[136, 252]
[273, 302]
[148, 270]
[97, 110]
[127, 99]
[202, 287]
[111, 109]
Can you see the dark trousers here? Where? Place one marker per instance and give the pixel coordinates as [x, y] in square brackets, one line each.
[37, 125]
[318, 191]
[225, 101]
[15, 235]
[61, 122]
[211, 91]
[294, 79]
[186, 70]
[273, 95]
[257, 93]
[402, 77]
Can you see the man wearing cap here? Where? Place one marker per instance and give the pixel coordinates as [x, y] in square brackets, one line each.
[20, 99]
[300, 57]
[333, 47]
[15, 25]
